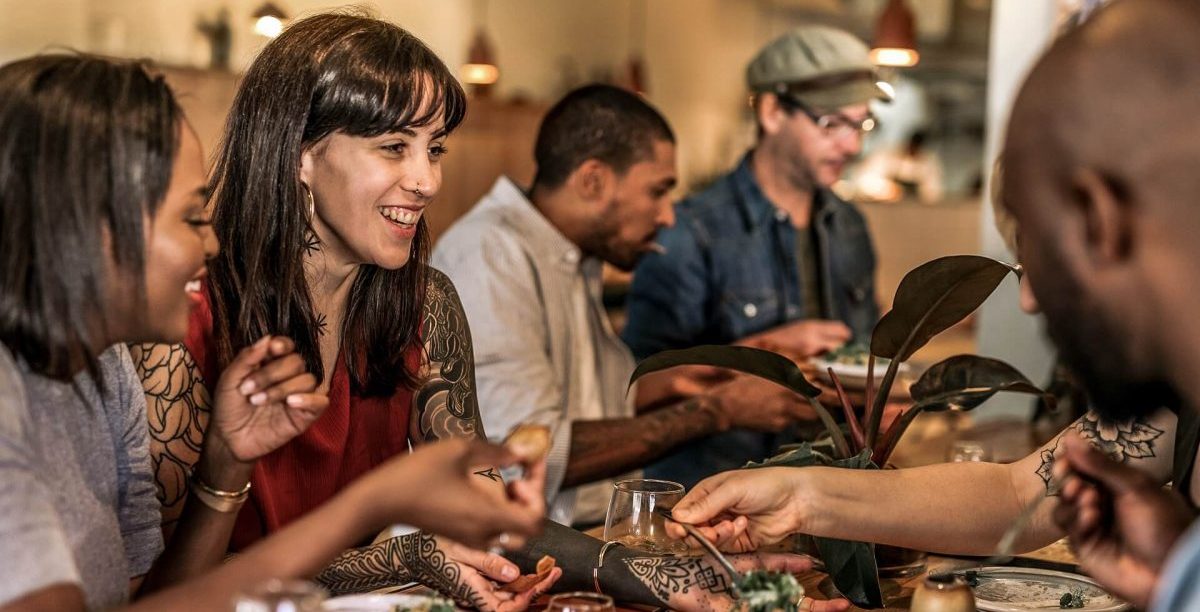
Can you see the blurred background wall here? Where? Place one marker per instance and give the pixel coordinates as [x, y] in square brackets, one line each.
[690, 56]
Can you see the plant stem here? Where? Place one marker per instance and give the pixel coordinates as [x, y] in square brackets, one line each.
[885, 387]
[856, 432]
[835, 432]
[870, 395]
[883, 451]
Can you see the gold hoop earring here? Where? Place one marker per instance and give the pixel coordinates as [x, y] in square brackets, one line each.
[312, 204]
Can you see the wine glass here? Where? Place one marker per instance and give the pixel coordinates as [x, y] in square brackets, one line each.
[967, 451]
[580, 601]
[632, 519]
[276, 595]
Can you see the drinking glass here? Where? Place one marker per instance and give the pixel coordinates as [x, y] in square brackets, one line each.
[967, 451]
[281, 596]
[632, 520]
[580, 601]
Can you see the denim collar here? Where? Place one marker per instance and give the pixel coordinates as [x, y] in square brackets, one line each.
[757, 209]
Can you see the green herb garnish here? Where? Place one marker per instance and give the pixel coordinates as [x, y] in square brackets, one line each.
[972, 577]
[765, 591]
[1072, 599]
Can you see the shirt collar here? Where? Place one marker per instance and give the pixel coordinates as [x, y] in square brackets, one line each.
[542, 235]
[757, 209]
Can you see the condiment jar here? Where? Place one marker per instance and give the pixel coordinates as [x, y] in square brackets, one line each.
[943, 593]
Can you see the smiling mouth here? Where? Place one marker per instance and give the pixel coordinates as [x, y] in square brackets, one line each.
[403, 217]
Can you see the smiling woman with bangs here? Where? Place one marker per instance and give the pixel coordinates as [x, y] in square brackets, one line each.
[331, 153]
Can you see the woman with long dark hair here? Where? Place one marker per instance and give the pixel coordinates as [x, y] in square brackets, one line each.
[331, 154]
[104, 240]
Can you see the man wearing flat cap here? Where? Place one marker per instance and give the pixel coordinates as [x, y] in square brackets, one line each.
[768, 255]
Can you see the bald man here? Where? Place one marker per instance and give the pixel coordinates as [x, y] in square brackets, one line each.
[1102, 182]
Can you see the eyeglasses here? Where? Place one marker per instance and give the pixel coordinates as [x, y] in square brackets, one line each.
[833, 125]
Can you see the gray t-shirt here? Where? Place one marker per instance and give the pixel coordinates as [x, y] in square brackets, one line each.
[77, 499]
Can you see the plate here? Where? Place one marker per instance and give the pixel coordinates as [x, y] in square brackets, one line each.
[853, 375]
[1016, 589]
[369, 602]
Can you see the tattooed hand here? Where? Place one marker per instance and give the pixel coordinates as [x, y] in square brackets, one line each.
[469, 576]
[264, 399]
[436, 489]
[697, 583]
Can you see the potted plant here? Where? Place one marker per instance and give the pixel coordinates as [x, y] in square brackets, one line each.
[930, 299]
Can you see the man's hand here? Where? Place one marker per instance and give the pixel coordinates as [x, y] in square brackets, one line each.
[263, 399]
[742, 510]
[753, 403]
[438, 489]
[801, 339]
[1121, 524]
[680, 382]
[697, 583]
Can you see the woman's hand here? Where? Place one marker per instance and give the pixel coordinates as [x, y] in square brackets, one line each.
[479, 576]
[448, 488]
[698, 583]
[263, 399]
[742, 510]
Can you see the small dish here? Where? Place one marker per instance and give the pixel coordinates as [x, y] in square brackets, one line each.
[1017, 589]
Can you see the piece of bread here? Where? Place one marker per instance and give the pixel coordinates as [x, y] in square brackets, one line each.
[529, 442]
[523, 583]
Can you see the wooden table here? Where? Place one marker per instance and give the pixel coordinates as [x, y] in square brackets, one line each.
[927, 441]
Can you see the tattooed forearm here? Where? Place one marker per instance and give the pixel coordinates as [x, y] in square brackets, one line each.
[643, 439]
[413, 557]
[667, 577]
[178, 407]
[445, 405]
[1121, 440]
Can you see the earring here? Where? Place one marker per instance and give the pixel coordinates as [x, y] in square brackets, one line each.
[312, 205]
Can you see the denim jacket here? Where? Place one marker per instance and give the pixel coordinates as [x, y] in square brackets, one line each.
[731, 270]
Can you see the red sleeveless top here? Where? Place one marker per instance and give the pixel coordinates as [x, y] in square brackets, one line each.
[354, 435]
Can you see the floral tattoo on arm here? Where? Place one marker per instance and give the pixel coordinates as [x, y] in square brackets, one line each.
[408, 558]
[1120, 440]
[672, 576]
[178, 408]
[445, 405]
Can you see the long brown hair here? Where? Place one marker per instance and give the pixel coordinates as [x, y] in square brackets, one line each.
[87, 146]
[335, 72]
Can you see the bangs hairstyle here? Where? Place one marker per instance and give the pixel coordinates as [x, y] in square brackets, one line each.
[337, 72]
[87, 145]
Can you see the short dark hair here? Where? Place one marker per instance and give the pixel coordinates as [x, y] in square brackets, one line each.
[598, 122]
[342, 72]
[87, 146]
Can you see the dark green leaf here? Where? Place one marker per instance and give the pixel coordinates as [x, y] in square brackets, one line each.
[757, 362]
[933, 297]
[764, 364]
[964, 382]
[852, 567]
[799, 455]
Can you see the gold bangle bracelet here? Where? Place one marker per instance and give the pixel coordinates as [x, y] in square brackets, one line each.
[218, 503]
[221, 501]
[238, 495]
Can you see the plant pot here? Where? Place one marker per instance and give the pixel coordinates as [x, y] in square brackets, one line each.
[892, 561]
[896, 562]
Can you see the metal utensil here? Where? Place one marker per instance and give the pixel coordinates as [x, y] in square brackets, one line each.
[708, 546]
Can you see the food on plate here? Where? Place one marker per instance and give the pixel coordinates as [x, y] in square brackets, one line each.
[1072, 599]
[852, 354]
[545, 565]
[530, 442]
[767, 591]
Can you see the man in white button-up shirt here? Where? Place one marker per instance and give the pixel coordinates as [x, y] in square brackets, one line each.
[527, 266]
